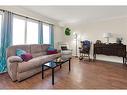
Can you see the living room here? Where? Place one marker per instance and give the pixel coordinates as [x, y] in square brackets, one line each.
[103, 26]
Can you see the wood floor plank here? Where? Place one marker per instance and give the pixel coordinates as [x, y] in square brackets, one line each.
[83, 75]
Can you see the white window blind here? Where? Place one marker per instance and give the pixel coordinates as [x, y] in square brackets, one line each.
[18, 31]
[32, 33]
[46, 34]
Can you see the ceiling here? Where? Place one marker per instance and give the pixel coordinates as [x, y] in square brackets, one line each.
[79, 14]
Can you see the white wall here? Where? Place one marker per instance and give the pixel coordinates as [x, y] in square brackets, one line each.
[94, 31]
[20, 10]
[58, 36]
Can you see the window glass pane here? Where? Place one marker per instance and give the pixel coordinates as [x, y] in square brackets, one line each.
[18, 31]
[46, 34]
[32, 33]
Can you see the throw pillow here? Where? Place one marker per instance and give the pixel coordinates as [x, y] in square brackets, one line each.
[26, 56]
[19, 52]
[51, 48]
[64, 47]
[52, 52]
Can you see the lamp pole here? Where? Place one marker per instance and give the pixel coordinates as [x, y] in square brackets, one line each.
[76, 45]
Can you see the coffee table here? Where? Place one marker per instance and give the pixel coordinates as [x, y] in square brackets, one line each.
[55, 63]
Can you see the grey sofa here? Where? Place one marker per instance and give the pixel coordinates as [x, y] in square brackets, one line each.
[20, 70]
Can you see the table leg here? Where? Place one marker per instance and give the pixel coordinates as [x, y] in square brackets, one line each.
[60, 66]
[52, 76]
[69, 65]
[94, 57]
[124, 60]
[42, 71]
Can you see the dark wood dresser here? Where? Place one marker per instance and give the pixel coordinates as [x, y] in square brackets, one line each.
[110, 50]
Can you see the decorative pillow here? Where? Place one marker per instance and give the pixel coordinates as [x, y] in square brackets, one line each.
[51, 48]
[19, 52]
[64, 47]
[26, 56]
[52, 51]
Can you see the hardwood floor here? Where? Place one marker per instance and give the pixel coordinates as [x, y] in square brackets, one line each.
[83, 75]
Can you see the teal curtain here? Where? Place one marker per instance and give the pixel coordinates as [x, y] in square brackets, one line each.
[40, 33]
[51, 35]
[6, 39]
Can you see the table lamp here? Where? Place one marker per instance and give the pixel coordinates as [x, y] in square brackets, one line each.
[107, 35]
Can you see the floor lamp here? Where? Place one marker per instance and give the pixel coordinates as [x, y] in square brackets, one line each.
[76, 38]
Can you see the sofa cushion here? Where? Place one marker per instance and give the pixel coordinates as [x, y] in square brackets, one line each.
[54, 56]
[38, 54]
[45, 47]
[11, 51]
[36, 62]
[31, 64]
[39, 50]
[36, 50]
[29, 73]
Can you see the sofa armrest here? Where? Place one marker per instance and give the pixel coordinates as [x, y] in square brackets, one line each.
[12, 65]
[15, 59]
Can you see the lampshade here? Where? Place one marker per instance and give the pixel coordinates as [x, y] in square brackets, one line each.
[75, 35]
[107, 35]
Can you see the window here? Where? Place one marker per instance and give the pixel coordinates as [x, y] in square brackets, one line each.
[18, 31]
[32, 32]
[46, 34]
[25, 31]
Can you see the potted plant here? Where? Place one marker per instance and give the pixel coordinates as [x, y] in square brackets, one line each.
[67, 31]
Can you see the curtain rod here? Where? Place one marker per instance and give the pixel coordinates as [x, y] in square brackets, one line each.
[25, 16]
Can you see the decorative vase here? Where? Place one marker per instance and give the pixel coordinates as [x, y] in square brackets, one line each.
[119, 40]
